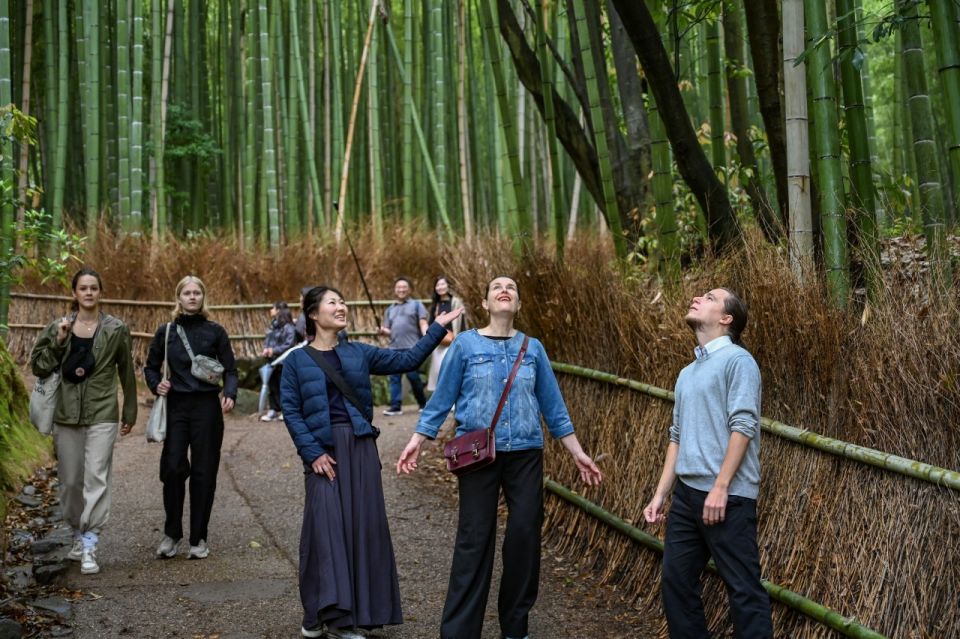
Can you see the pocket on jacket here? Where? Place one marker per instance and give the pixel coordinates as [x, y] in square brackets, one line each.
[480, 366]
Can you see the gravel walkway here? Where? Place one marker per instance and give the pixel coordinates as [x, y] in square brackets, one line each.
[247, 587]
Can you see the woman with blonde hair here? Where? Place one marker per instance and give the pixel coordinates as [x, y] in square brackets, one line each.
[194, 414]
[90, 349]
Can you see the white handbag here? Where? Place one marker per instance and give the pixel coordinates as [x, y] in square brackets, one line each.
[157, 421]
[43, 402]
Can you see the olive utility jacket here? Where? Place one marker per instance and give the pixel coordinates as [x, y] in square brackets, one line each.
[93, 401]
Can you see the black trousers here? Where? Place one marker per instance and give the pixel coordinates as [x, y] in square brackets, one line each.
[520, 475]
[274, 388]
[733, 546]
[191, 451]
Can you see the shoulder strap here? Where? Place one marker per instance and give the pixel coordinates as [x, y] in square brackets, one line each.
[165, 371]
[335, 377]
[183, 338]
[513, 375]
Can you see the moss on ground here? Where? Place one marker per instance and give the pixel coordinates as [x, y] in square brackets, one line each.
[22, 448]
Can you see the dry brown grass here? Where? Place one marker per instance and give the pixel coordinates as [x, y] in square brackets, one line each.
[865, 542]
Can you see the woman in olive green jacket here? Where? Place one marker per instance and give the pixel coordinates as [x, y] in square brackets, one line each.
[91, 350]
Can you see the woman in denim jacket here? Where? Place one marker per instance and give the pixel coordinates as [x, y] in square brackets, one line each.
[473, 376]
[348, 573]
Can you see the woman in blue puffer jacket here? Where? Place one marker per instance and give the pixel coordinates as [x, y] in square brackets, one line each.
[348, 573]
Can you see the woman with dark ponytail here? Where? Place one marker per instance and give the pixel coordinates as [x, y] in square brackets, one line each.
[91, 350]
[348, 573]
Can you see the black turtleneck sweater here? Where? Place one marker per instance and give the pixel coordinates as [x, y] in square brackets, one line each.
[206, 338]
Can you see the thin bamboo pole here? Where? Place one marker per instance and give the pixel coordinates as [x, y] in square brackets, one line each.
[894, 463]
[831, 618]
[351, 127]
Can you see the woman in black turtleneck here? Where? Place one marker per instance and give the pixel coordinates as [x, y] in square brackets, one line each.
[194, 416]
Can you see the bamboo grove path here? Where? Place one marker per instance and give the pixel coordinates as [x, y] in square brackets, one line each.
[247, 587]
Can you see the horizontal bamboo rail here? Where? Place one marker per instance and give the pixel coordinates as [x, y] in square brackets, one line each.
[212, 307]
[139, 334]
[818, 612]
[887, 461]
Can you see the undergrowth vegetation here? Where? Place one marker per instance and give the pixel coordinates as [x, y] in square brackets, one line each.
[863, 541]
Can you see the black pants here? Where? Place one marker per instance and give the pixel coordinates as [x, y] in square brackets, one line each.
[274, 388]
[733, 546]
[194, 424]
[520, 475]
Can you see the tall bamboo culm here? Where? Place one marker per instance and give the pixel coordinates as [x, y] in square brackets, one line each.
[924, 145]
[798, 145]
[945, 19]
[826, 150]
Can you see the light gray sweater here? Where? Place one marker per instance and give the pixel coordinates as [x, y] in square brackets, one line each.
[716, 394]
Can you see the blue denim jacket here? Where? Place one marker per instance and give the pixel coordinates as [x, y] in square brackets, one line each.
[473, 375]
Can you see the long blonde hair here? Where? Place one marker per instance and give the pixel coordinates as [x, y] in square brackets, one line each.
[190, 279]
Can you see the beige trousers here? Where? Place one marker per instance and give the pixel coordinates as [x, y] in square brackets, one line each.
[85, 461]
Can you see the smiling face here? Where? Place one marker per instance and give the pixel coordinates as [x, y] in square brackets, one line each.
[503, 297]
[707, 312]
[191, 298]
[401, 290]
[331, 313]
[87, 292]
[442, 287]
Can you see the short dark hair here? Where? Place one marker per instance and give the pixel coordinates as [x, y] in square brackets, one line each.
[86, 270]
[403, 278]
[311, 301]
[737, 309]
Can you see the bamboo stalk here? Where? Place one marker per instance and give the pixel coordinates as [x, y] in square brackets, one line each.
[886, 461]
[212, 307]
[831, 618]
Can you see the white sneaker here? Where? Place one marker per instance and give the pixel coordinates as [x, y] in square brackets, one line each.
[88, 562]
[343, 633]
[168, 548]
[76, 551]
[200, 551]
[270, 416]
[390, 412]
[317, 631]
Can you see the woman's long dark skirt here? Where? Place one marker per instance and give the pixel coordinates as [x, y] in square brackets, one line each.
[348, 573]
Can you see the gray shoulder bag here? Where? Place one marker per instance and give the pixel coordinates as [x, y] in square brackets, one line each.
[204, 368]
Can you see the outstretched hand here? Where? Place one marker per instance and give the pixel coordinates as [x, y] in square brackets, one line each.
[444, 319]
[408, 458]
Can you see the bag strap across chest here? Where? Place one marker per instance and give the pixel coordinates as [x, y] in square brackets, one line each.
[506, 388]
[334, 376]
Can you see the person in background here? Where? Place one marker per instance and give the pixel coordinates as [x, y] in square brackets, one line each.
[444, 300]
[714, 451]
[404, 322]
[300, 325]
[280, 338]
[473, 377]
[195, 411]
[348, 574]
[91, 350]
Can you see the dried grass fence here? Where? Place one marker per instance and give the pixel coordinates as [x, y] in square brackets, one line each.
[860, 540]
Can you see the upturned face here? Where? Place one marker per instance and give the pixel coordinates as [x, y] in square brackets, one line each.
[442, 287]
[503, 296]
[707, 310]
[331, 312]
[87, 292]
[191, 298]
[401, 290]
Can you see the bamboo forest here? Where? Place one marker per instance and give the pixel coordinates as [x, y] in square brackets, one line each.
[616, 159]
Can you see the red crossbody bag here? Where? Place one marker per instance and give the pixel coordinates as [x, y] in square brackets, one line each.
[476, 449]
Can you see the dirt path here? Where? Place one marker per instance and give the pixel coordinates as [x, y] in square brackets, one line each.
[248, 585]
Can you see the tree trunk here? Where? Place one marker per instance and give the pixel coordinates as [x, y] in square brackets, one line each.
[691, 160]
[764, 36]
[25, 109]
[826, 150]
[768, 219]
[924, 146]
[798, 141]
[861, 173]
